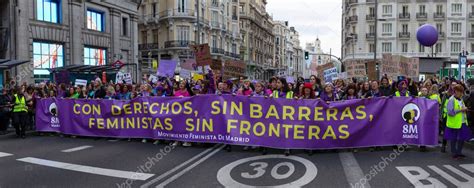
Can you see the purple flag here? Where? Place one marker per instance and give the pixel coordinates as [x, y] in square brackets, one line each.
[166, 68]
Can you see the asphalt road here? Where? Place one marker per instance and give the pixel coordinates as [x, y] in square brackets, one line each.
[53, 161]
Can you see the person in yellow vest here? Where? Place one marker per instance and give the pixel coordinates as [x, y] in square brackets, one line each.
[457, 130]
[434, 94]
[444, 112]
[282, 91]
[402, 89]
[20, 113]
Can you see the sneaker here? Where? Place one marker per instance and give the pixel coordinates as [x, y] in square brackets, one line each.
[228, 148]
[156, 142]
[355, 150]
[246, 148]
[287, 152]
[186, 144]
[455, 157]
[264, 151]
[175, 143]
[144, 141]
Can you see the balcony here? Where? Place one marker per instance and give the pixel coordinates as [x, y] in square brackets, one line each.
[234, 55]
[404, 35]
[351, 37]
[471, 15]
[370, 17]
[234, 17]
[215, 25]
[370, 36]
[404, 16]
[353, 19]
[217, 51]
[148, 46]
[421, 16]
[439, 15]
[179, 44]
[177, 13]
[471, 35]
[352, 2]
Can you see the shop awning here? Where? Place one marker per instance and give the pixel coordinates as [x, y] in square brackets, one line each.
[88, 68]
[10, 63]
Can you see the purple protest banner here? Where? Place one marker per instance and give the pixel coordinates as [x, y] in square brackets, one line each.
[166, 68]
[276, 123]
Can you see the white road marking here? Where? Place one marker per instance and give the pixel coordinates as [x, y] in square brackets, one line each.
[176, 176]
[76, 149]
[224, 177]
[176, 168]
[5, 154]
[354, 174]
[88, 169]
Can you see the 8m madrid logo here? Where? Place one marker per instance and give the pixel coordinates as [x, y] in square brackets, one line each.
[410, 114]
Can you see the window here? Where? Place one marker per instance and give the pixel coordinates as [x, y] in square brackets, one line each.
[404, 47]
[48, 10]
[439, 27]
[372, 11]
[439, 9]
[404, 28]
[387, 28]
[456, 8]
[182, 5]
[472, 47]
[405, 10]
[438, 48]
[95, 56]
[386, 47]
[371, 48]
[183, 33]
[421, 48]
[455, 47]
[95, 20]
[234, 48]
[155, 36]
[144, 37]
[372, 29]
[153, 6]
[124, 26]
[387, 9]
[456, 28]
[214, 42]
[46, 56]
[422, 9]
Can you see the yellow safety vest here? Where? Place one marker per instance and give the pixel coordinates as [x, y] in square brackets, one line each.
[456, 121]
[398, 94]
[20, 104]
[276, 94]
[435, 97]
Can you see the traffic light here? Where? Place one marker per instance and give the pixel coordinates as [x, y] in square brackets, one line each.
[306, 55]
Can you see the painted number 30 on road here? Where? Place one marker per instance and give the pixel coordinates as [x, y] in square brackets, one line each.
[260, 168]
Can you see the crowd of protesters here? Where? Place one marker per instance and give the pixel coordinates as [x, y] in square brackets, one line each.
[456, 100]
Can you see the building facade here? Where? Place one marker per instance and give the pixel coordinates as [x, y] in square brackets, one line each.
[258, 40]
[168, 27]
[282, 36]
[397, 23]
[57, 33]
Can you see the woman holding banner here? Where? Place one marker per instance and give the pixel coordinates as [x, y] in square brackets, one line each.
[282, 91]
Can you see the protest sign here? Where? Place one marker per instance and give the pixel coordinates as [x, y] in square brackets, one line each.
[203, 54]
[80, 82]
[166, 68]
[330, 74]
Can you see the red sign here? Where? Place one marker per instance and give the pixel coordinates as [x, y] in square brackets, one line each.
[118, 64]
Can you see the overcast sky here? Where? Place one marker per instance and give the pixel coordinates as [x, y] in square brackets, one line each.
[312, 18]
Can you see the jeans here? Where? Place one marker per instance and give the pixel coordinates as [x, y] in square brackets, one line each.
[4, 120]
[456, 147]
